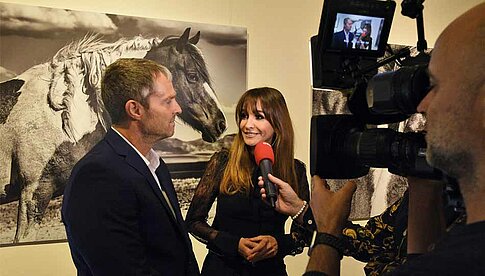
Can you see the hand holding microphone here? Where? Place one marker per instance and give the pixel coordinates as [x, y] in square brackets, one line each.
[264, 156]
[288, 202]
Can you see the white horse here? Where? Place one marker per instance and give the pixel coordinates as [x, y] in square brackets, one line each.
[56, 115]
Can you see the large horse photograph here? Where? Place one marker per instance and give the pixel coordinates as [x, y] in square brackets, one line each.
[51, 110]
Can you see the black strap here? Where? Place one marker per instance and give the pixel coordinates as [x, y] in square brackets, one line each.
[330, 240]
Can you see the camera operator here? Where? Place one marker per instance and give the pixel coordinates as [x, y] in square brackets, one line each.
[455, 113]
[455, 110]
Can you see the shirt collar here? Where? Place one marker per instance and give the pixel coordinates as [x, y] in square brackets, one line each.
[152, 159]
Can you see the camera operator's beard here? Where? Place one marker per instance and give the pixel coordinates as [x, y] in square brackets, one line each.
[457, 164]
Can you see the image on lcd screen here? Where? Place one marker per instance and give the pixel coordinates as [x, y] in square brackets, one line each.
[354, 31]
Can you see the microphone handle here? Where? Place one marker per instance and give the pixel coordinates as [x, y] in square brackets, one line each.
[271, 194]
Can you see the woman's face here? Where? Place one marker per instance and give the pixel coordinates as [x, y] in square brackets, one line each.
[255, 128]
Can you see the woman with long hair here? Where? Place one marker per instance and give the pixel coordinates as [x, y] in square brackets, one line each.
[247, 236]
[365, 39]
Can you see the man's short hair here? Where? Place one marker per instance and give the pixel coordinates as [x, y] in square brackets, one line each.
[129, 79]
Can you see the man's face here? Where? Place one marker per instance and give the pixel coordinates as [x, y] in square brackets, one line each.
[449, 112]
[158, 121]
[348, 25]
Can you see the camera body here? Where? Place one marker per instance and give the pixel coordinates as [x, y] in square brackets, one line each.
[377, 14]
[351, 33]
[346, 146]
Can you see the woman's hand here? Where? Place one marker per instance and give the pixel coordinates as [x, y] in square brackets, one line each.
[266, 247]
[245, 247]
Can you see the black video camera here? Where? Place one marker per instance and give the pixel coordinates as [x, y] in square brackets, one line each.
[352, 37]
[351, 33]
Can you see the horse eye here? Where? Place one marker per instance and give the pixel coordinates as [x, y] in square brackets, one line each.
[192, 77]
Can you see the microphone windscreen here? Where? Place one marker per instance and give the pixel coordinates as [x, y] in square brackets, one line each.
[262, 151]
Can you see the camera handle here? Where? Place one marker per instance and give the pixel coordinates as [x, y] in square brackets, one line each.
[351, 66]
[402, 53]
[414, 10]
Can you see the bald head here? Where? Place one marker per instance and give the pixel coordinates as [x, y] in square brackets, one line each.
[462, 44]
[455, 105]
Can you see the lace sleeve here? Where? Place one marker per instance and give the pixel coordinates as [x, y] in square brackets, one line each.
[204, 196]
[300, 235]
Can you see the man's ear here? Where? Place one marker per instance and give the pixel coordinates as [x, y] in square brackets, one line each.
[134, 110]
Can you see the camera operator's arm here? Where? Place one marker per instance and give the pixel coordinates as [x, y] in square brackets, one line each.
[426, 221]
[380, 243]
[330, 210]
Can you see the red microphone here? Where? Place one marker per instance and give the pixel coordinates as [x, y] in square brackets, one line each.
[264, 156]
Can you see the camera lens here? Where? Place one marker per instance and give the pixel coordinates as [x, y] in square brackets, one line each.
[342, 147]
[398, 92]
[373, 147]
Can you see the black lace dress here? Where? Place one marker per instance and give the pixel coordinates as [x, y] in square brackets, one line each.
[240, 216]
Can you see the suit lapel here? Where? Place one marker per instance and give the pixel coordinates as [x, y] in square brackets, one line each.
[134, 160]
[167, 185]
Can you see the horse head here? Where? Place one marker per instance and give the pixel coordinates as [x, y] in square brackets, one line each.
[200, 107]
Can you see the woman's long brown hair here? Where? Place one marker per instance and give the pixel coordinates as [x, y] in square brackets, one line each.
[237, 175]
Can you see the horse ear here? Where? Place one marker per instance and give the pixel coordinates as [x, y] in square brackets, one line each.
[195, 38]
[184, 38]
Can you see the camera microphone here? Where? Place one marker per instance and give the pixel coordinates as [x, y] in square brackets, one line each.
[264, 156]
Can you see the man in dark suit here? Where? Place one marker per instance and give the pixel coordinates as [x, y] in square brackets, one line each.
[120, 208]
[343, 39]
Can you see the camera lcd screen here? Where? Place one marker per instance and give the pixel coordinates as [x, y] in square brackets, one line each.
[356, 32]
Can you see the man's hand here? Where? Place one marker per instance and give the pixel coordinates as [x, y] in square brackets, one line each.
[331, 209]
[288, 202]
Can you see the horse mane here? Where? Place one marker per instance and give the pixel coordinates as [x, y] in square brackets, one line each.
[79, 65]
[93, 44]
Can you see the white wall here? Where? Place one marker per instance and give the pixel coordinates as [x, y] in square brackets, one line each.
[278, 34]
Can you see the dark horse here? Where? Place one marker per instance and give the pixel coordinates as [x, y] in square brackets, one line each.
[55, 114]
[190, 75]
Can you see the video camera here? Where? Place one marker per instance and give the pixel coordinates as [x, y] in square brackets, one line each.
[336, 49]
[352, 37]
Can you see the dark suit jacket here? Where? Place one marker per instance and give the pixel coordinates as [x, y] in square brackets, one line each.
[118, 222]
[338, 40]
